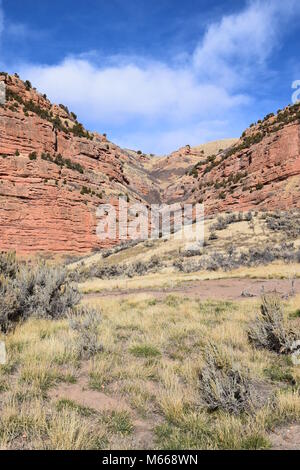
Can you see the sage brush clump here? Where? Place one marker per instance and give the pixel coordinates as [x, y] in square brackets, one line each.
[117, 249]
[223, 386]
[138, 268]
[287, 222]
[223, 222]
[270, 330]
[85, 322]
[233, 259]
[8, 264]
[27, 290]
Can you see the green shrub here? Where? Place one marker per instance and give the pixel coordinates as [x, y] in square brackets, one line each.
[33, 156]
[63, 162]
[144, 350]
[277, 373]
[28, 85]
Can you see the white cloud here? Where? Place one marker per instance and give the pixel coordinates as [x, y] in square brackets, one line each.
[165, 100]
[120, 93]
[235, 47]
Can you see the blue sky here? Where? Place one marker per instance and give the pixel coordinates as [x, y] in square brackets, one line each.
[157, 74]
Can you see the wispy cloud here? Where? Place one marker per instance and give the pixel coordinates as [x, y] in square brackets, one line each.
[164, 100]
[235, 47]
[130, 91]
[174, 137]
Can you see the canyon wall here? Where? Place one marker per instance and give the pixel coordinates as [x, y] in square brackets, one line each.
[54, 173]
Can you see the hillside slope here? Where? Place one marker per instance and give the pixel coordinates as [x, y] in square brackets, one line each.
[261, 170]
[167, 169]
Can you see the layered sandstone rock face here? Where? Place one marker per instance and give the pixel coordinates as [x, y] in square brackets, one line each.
[261, 171]
[168, 169]
[52, 179]
[54, 174]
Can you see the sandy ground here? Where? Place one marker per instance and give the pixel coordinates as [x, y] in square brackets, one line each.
[286, 438]
[221, 289]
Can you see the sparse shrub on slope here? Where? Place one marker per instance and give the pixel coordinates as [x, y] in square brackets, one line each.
[191, 251]
[286, 222]
[9, 304]
[33, 290]
[223, 386]
[270, 330]
[213, 236]
[232, 259]
[117, 249]
[139, 268]
[223, 222]
[8, 264]
[85, 322]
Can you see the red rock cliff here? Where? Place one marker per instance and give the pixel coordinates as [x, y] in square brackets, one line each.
[52, 178]
[261, 171]
[54, 174]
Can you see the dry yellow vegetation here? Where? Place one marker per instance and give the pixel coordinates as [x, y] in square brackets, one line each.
[243, 235]
[142, 389]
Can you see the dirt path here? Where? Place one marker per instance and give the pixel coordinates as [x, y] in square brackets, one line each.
[286, 438]
[221, 289]
[81, 393]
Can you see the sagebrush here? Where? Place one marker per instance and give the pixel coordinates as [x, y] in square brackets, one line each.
[27, 290]
[222, 385]
[270, 330]
[85, 321]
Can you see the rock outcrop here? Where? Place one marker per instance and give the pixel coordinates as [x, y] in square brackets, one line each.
[54, 173]
[168, 169]
[260, 171]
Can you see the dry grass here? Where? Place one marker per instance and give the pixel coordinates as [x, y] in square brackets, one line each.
[168, 279]
[153, 351]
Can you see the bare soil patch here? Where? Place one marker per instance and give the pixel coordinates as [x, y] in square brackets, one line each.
[286, 438]
[81, 394]
[222, 289]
